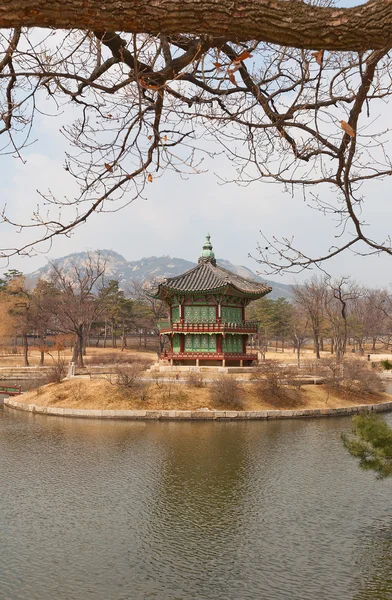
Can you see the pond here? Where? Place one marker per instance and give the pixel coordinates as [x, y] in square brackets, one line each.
[188, 511]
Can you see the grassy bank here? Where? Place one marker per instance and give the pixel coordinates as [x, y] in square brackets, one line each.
[101, 394]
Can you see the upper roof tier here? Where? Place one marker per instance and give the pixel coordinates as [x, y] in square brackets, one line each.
[207, 276]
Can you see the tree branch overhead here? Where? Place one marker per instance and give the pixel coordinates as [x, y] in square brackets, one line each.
[285, 22]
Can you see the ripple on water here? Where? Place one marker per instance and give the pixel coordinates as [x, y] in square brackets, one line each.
[203, 511]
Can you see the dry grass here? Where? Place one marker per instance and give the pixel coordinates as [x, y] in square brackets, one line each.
[93, 354]
[101, 394]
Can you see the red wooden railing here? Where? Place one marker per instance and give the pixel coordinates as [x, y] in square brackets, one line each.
[204, 327]
[13, 390]
[168, 355]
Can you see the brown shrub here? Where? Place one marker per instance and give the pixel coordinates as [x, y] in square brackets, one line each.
[127, 376]
[352, 376]
[359, 378]
[277, 384]
[57, 372]
[195, 379]
[227, 393]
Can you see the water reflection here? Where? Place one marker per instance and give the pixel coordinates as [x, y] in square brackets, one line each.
[187, 511]
[375, 562]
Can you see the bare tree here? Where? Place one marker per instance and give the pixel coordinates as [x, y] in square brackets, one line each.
[368, 321]
[341, 295]
[149, 310]
[300, 329]
[77, 304]
[141, 103]
[311, 297]
[382, 305]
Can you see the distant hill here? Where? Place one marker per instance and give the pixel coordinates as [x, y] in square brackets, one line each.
[152, 267]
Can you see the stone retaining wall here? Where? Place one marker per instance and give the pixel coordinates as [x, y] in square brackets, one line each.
[203, 414]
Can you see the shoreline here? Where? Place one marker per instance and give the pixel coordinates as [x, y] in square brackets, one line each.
[196, 415]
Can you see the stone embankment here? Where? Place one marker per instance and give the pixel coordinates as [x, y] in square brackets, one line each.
[201, 414]
[23, 373]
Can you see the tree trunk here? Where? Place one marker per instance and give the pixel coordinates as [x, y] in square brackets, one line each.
[114, 341]
[25, 350]
[317, 345]
[81, 346]
[123, 337]
[42, 353]
[289, 23]
[105, 337]
[75, 353]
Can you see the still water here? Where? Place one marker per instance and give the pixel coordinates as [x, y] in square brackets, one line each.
[96, 510]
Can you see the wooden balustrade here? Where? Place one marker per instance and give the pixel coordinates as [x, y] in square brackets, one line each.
[205, 327]
[168, 355]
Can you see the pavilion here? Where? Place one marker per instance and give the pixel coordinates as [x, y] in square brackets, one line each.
[207, 323]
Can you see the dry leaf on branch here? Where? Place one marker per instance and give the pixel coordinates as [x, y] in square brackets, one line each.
[347, 128]
[217, 66]
[243, 56]
[149, 177]
[318, 56]
[109, 167]
[231, 76]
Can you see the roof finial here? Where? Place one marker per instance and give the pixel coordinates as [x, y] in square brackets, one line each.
[207, 254]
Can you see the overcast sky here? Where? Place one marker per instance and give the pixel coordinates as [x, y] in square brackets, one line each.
[177, 214]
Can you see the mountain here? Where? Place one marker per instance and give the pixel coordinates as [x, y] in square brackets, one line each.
[152, 267]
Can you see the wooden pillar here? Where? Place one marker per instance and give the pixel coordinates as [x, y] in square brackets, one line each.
[219, 343]
[197, 362]
[244, 338]
[182, 343]
[241, 363]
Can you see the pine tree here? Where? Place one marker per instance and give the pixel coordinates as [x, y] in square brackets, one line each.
[371, 442]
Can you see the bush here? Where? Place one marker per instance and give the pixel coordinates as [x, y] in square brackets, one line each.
[127, 376]
[57, 371]
[358, 378]
[386, 365]
[227, 393]
[276, 383]
[195, 379]
[351, 376]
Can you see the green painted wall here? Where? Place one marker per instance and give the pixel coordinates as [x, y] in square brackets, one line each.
[200, 314]
[232, 343]
[176, 343]
[200, 343]
[175, 314]
[231, 315]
